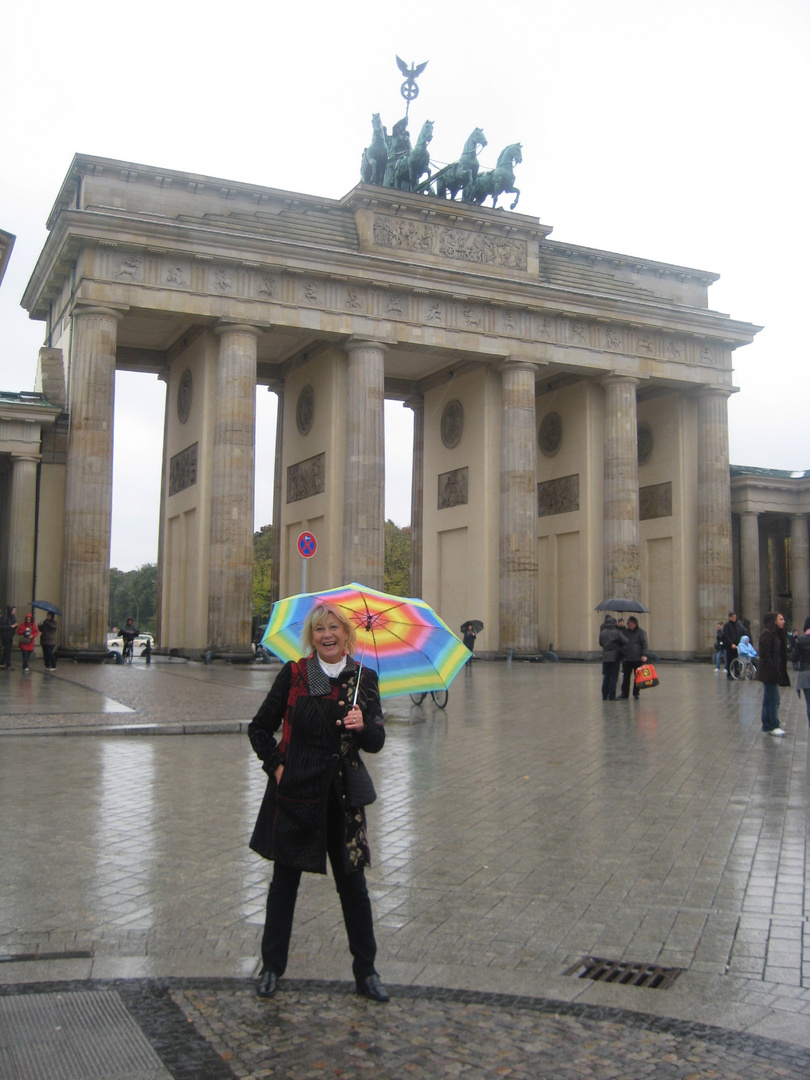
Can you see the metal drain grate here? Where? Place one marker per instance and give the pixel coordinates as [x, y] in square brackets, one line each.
[619, 971]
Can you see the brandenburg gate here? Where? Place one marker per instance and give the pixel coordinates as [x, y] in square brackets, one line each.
[570, 406]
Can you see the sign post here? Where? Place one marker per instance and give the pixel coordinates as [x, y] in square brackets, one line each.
[307, 546]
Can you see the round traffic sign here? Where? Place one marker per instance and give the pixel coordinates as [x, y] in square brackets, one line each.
[307, 545]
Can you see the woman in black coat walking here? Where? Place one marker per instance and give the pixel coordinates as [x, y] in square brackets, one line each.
[314, 802]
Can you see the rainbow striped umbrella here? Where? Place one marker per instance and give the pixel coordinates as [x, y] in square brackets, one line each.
[402, 639]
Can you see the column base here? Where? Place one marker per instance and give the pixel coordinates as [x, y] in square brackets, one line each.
[94, 654]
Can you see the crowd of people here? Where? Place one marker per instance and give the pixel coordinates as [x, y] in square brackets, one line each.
[776, 649]
[624, 648]
[26, 634]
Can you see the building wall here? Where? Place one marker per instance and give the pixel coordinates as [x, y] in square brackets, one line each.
[320, 513]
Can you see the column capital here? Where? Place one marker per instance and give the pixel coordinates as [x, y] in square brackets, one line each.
[508, 364]
[84, 308]
[716, 391]
[616, 378]
[35, 458]
[355, 343]
[415, 402]
[798, 517]
[225, 327]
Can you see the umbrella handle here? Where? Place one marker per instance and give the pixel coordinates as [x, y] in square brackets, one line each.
[359, 673]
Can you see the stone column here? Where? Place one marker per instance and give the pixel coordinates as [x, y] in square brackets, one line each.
[715, 581]
[164, 477]
[417, 404]
[230, 575]
[518, 585]
[622, 574]
[750, 594]
[88, 484]
[799, 569]
[22, 532]
[278, 481]
[364, 484]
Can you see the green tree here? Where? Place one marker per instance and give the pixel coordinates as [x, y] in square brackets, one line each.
[134, 592]
[397, 573]
[262, 568]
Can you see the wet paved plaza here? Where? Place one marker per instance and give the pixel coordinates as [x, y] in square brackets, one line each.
[528, 826]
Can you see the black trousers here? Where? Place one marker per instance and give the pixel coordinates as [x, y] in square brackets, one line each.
[628, 675]
[7, 644]
[354, 900]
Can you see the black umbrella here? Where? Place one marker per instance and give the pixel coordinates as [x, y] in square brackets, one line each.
[476, 624]
[621, 604]
[45, 606]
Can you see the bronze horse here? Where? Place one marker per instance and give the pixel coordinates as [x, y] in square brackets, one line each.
[499, 180]
[461, 173]
[411, 167]
[375, 156]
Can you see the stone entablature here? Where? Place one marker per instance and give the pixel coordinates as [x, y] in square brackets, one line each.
[495, 285]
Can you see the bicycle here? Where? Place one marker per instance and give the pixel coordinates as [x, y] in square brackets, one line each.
[439, 697]
[128, 651]
[743, 667]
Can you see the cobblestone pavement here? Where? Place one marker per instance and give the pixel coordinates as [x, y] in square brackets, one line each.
[528, 826]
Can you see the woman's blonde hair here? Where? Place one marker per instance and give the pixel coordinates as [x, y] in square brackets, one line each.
[320, 611]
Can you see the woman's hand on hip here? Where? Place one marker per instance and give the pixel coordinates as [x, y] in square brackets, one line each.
[277, 773]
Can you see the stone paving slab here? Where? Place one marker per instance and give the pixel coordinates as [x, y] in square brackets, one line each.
[527, 826]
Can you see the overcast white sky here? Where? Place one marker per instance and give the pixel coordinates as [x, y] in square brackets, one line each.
[673, 131]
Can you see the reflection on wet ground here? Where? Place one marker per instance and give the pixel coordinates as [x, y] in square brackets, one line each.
[527, 826]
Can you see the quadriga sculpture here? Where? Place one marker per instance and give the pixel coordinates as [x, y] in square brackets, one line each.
[499, 180]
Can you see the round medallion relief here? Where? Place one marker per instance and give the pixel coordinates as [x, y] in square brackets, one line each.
[550, 435]
[184, 396]
[645, 443]
[452, 426]
[305, 410]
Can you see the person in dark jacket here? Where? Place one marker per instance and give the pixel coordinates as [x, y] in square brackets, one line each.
[612, 642]
[732, 632]
[309, 811]
[634, 655]
[801, 656]
[772, 669]
[47, 639]
[8, 627]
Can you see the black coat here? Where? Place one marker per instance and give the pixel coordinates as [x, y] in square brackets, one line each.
[773, 654]
[315, 751]
[611, 641]
[637, 644]
[732, 633]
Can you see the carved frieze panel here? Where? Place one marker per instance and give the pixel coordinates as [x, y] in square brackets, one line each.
[306, 478]
[128, 267]
[559, 496]
[453, 488]
[175, 273]
[222, 280]
[461, 245]
[655, 501]
[183, 470]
